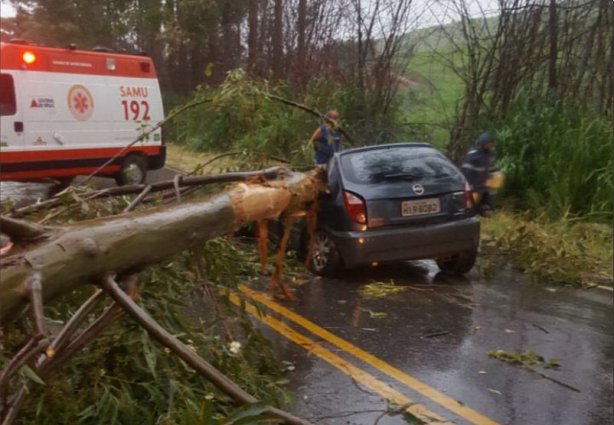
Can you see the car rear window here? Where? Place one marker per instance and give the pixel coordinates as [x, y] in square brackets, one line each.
[7, 95]
[397, 163]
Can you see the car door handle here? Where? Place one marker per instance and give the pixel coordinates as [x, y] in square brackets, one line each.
[58, 138]
[18, 126]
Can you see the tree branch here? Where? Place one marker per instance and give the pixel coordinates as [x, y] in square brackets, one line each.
[268, 173]
[22, 230]
[315, 113]
[146, 134]
[80, 253]
[183, 352]
[34, 345]
[61, 339]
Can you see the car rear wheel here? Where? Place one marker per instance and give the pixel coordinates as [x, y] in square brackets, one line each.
[325, 259]
[133, 171]
[458, 264]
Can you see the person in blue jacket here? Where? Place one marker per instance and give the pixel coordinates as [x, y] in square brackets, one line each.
[326, 140]
[476, 167]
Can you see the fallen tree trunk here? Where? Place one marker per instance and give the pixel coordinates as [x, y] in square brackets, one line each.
[61, 258]
[180, 181]
[65, 257]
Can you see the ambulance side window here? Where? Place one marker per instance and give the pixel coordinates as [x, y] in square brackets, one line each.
[7, 95]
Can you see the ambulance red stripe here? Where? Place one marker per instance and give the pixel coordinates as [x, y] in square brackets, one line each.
[39, 165]
[67, 154]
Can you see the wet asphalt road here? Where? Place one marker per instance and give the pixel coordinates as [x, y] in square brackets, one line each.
[20, 193]
[440, 330]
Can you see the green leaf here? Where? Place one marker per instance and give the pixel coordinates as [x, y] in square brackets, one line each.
[150, 355]
[247, 413]
[209, 69]
[31, 375]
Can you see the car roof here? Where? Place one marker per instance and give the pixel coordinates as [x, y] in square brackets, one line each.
[386, 146]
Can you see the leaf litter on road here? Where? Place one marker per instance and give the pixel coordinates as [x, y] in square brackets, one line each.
[527, 360]
[378, 290]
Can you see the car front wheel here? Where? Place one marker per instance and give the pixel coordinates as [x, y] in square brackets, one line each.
[325, 259]
[458, 264]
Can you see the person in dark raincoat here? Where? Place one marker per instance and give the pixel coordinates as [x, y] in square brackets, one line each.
[476, 167]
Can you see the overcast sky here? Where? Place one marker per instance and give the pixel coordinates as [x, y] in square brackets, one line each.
[427, 12]
[433, 12]
[6, 9]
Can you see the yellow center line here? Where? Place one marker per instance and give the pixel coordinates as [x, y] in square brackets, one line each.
[356, 374]
[413, 383]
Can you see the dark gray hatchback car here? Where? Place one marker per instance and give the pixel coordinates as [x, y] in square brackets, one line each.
[391, 203]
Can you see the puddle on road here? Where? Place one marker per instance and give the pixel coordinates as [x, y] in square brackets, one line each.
[19, 194]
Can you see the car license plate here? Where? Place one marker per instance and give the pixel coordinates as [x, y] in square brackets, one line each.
[420, 207]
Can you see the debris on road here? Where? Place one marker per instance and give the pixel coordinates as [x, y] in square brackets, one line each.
[380, 290]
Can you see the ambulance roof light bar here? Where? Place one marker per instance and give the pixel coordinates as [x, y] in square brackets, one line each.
[28, 57]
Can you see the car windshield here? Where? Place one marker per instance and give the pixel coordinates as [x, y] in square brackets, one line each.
[407, 163]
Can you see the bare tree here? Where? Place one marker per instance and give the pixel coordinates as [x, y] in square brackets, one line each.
[553, 31]
[528, 46]
[252, 41]
[277, 40]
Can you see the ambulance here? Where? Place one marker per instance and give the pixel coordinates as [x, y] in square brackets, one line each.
[66, 112]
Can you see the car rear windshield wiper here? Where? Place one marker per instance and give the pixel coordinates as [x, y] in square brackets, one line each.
[397, 176]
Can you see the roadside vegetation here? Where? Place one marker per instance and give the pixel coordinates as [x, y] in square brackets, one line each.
[563, 251]
[125, 376]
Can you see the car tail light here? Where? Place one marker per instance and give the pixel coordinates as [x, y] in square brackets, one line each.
[355, 207]
[468, 197]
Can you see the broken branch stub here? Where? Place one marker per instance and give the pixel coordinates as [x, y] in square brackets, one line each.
[74, 255]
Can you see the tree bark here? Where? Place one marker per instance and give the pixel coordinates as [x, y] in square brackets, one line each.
[66, 257]
[252, 36]
[277, 40]
[301, 28]
[553, 32]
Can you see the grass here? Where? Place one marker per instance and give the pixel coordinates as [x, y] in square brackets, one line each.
[187, 160]
[430, 101]
[556, 156]
[565, 251]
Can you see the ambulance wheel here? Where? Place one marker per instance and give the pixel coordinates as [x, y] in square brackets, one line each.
[58, 185]
[133, 171]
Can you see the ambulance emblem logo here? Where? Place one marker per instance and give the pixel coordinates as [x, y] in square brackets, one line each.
[80, 102]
